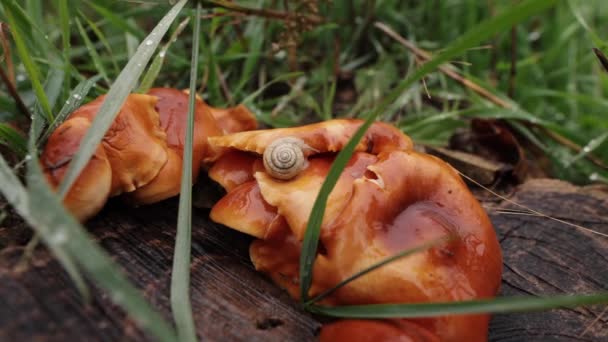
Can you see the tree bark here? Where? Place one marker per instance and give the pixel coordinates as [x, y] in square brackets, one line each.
[231, 301]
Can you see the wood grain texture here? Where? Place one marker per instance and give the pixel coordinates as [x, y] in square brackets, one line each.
[543, 257]
[232, 302]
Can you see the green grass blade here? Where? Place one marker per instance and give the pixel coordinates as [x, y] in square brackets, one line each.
[180, 276]
[367, 270]
[212, 84]
[53, 84]
[499, 305]
[34, 8]
[255, 32]
[597, 41]
[328, 101]
[102, 38]
[471, 38]
[67, 261]
[116, 96]
[13, 140]
[26, 58]
[592, 145]
[93, 52]
[74, 101]
[114, 19]
[148, 80]
[64, 20]
[249, 99]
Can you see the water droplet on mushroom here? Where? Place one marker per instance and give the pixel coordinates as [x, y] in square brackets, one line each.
[77, 96]
[149, 42]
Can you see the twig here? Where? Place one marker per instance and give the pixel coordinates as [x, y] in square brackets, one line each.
[9, 79]
[284, 101]
[597, 319]
[449, 71]
[425, 56]
[4, 31]
[266, 13]
[28, 252]
[225, 88]
[603, 60]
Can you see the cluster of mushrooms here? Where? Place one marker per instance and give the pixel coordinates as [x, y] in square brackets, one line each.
[388, 199]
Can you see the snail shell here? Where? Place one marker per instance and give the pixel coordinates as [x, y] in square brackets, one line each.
[284, 158]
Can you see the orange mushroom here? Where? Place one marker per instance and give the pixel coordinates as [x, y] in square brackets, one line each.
[389, 198]
[374, 331]
[141, 153]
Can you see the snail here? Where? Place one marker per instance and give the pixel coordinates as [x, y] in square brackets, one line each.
[284, 158]
[140, 155]
[389, 198]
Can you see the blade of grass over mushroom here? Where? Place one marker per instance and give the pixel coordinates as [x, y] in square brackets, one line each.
[74, 101]
[367, 270]
[499, 305]
[122, 86]
[26, 59]
[180, 275]
[55, 245]
[471, 38]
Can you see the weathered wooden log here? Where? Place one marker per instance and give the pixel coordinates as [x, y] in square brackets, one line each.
[543, 257]
[231, 301]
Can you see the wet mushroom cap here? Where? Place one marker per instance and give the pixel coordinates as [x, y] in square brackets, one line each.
[172, 106]
[90, 191]
[141, 154]
[355, 330]
[327, 136]
[388, 199]
[134, 143]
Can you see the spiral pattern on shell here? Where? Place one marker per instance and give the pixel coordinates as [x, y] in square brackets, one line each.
[284, 158]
